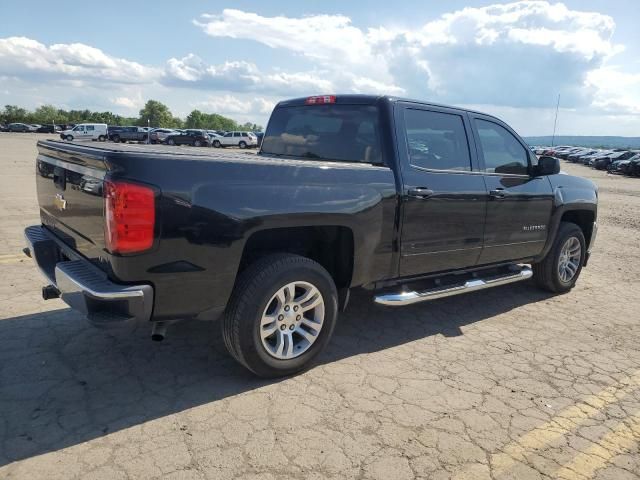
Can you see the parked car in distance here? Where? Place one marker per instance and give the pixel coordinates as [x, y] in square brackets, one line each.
[3, 128]
[159, 135]
[193, 137]
[21, 127]
[127, 134]
[604, 163]
[259, 137]
[237, 139]
[49, 128]
[408, 200]
[86, 131]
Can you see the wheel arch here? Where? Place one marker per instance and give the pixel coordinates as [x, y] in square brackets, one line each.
[332, 246]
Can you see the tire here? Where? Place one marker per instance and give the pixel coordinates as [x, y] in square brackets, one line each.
[197, 143]
[217, 144]
[547, 273]
[171, 142]
[116, 138]
[253, 296]
[242, 144]
[123, 140]
[102, 138]
[70, 138]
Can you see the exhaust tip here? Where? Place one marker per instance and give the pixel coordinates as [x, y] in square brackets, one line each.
[158, 331]
[49, 292]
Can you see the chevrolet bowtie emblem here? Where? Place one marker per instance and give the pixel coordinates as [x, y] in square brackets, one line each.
[60, 202]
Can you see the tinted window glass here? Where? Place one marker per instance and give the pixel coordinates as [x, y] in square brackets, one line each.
[326, 132]
[437, 140]
[90, 127]
[502, 152]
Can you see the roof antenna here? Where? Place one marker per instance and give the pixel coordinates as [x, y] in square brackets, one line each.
[555, 122]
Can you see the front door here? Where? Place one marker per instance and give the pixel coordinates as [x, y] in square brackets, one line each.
[444, 196]
[519, 205]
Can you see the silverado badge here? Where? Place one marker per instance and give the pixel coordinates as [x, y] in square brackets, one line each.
[60, 202]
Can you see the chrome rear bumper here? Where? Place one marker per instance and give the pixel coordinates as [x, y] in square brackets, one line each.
[82, 285]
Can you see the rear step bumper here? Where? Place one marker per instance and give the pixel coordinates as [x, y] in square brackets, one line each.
[83, 286]
[410, 297]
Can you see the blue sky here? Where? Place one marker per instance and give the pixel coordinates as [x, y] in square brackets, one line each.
[239, 58]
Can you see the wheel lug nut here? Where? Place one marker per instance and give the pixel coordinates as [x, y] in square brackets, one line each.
[292, 327]
[298, 317]
[295, 309]
[280, 317]
[283, 327]
[286, 308]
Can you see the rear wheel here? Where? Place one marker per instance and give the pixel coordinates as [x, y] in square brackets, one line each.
[242, 144]
[217, 143]
[171, 141]
[558, 272]
[102, 138]
[281, 315]
[116, 138]
[70, 138]
[197, 143]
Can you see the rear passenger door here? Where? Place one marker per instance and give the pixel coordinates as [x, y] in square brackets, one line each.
[444, 196]
[519, 204]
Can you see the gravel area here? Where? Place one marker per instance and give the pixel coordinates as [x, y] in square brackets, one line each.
[508, 383]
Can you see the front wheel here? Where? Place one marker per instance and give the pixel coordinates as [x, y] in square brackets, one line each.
[198, 143]
[102, 138]
[242, 145]
[281, 315]
[217, 143]
[171, 141]
[70, 138]
[558, 272]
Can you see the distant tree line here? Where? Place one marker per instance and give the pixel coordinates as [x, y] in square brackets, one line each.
[153, 113]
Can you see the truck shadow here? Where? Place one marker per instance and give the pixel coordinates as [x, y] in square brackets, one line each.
[63, 382]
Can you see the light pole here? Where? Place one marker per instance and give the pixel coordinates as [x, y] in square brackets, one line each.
[148, 129]
[555, 122]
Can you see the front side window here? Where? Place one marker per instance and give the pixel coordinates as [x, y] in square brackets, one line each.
[347, 133]
[227, 135]
[437, 140]
[502, 152]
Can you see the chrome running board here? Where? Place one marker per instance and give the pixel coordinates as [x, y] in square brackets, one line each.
[407, 298]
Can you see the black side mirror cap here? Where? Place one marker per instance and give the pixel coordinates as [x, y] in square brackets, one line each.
[547, 166]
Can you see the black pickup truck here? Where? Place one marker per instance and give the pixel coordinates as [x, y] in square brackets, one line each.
[410, 200]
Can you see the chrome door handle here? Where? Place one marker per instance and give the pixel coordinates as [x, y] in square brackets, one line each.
[420, 192]
[497, 193]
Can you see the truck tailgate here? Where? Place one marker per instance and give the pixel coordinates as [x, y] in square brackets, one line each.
[70, 195]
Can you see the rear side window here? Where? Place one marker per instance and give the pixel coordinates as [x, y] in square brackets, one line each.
[502, 152]
[90, 127]
[437, 140]
[347, 133]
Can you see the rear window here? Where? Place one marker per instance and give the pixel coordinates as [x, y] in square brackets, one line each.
[347, 133]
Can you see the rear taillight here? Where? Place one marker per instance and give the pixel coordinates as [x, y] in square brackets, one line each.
[320, 100]
[130, 215]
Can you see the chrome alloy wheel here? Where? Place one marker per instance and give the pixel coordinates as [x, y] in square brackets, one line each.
[569, 260]
[292, 321]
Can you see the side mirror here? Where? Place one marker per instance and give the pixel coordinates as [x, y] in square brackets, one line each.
[547, 166]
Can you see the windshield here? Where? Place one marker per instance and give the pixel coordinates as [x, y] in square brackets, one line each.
[347, 133]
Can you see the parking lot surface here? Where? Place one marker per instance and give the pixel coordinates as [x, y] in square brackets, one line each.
[508, 383]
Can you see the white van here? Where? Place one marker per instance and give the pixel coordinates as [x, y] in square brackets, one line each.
[86, 131]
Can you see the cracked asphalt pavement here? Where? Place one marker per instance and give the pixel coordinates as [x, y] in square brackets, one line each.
[508, 383]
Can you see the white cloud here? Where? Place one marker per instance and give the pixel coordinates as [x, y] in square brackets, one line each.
[24, 57]
[233, 105]
[518, 53]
